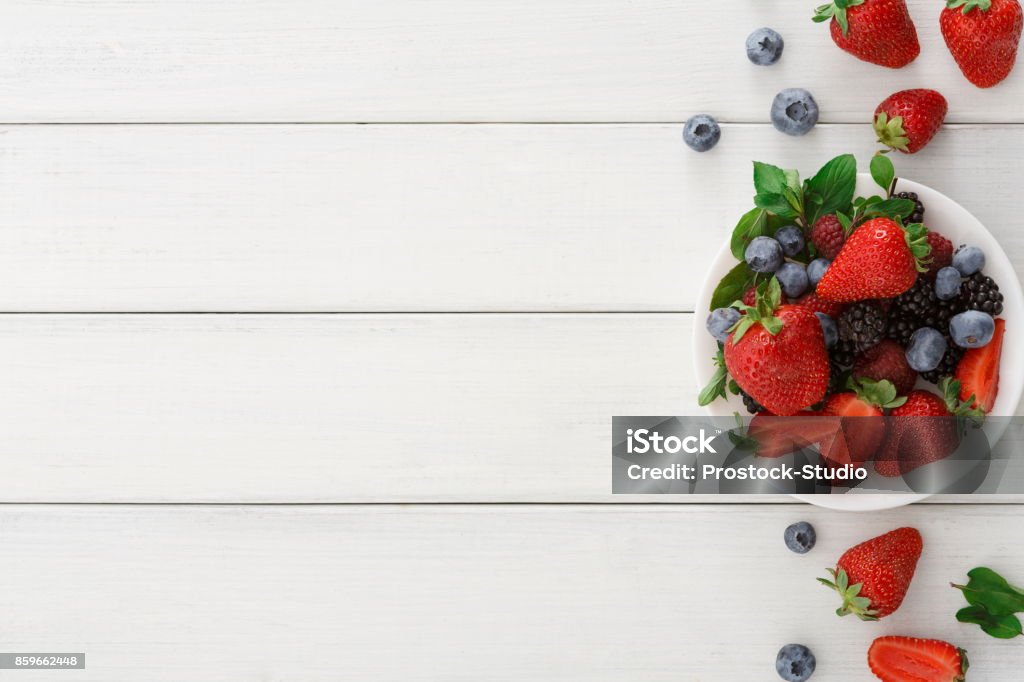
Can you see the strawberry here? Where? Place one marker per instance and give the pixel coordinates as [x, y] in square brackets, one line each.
[983, 36]
[816, 304]
[923, 430]
[877, 31]
[941, 255]
[879, 260]
[908, 659]
[978, 372]
[908, 120]
[873, 577]
[828, 236]
[863, 429]
[886, 360]
[777, 436]
[777, 354]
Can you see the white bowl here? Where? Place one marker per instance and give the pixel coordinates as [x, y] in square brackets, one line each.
[952, 220]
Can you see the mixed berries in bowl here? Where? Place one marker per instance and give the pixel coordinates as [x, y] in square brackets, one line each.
[859, 295]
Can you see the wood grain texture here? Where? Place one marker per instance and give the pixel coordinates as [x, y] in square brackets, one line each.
[411, 218]
[447, 60]
[494, 593]
[330, 408]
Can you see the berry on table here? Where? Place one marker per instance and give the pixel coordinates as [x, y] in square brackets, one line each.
[720, 321]
[925, 350]
[969, 260]
[764, 46]
[980, 292]
[800, 537]
[793, 278]
[947, 283]
[828, 328]
[828, 236]
[918, 215]
[816, 269]
[791, 238]
[908, 120]
[983, 36]
[795, 663]
[908, 658]
[972, 329]
[763, 254]
[794, 112]
[701, 133]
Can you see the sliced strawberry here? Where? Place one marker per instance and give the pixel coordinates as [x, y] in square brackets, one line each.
[908, 659]
[978, 371]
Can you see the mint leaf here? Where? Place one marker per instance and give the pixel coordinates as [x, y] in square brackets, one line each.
[753, 224]
[883, 172]
[1000, 627]
[768, 179]
[832, 188]
[719, 380]
[732, 287]
[990, 591]
[890, 208]
[777, 204]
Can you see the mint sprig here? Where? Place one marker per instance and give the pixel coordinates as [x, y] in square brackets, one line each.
[993, 603]
[718, 383]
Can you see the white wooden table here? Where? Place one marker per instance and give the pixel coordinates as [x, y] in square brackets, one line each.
[315, 314]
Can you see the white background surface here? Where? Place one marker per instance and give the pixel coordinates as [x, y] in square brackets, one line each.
[220, 286]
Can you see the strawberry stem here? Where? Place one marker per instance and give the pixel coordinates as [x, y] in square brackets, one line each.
[891, 132]
[853, 603]
[968, 5]
[767, 299]
[837, 10]
[916, 235]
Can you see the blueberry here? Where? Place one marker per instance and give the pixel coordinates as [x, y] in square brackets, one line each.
[763, 254]
[972, 329]
[702, 133]
[794, 112]
[829, 329]
[816, 269]
[969, 260]
[925, 350]
[792, 239]
[795, 663]
[793, 278]
[764, 46]
[947, 284]
[800, 537]
[720, 321]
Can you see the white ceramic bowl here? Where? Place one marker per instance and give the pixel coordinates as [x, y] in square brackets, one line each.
[952, 220]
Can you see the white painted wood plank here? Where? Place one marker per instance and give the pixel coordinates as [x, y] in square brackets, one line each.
[498, 593]
[410, 218]
[330, 408]
[449, 60]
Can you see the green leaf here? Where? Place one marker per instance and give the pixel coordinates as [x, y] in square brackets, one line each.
[1000, 627]
[768, 179]
[991, 591]
[883, 172]
[752, 224]
[716, 386]
[733, 286]
[890, 208]
[777, 204]
[834, 186]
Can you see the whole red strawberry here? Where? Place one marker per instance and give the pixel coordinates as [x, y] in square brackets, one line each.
[828, 235]
[777, 354]
[983, 36]
[941, 255]
[909, 659]
[860, 410]
[877, 31]
[908, 120]
[879, 260]
[873, 577]
[816, 304]
[886, 360]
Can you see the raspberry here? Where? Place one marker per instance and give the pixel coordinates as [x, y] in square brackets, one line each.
[941, 255]
[886, 360]
[828, 236]
[750, 296]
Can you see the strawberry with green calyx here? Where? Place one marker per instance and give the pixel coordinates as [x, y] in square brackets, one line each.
[908, 120]
[776, 354]
[983, 36]
[880, 259]
[873, 577]
[993, 603]
[877, 31]
[910, 659]
[861, 409]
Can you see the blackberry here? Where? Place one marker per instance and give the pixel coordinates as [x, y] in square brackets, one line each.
[918, 215]
[863, 324]
[979, 292]
[920, 307]
[947, 367]
[843, 353]
[901, 328]
[753, 407]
